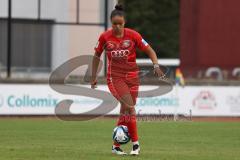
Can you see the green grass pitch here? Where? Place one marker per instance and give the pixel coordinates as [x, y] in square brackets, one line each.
[52, 139]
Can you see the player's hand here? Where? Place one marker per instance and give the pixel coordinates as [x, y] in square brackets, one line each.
[94, 84]
[159, 73]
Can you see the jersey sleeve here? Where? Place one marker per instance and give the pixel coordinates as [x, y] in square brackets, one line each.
[100, 45]
[141, 43]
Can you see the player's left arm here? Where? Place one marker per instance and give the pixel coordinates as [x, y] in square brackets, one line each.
[145, 47]
[153, 56]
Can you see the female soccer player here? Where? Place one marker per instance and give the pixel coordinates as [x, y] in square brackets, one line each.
[122, 76]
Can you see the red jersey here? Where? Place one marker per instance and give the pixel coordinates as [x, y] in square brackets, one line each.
[121, 52]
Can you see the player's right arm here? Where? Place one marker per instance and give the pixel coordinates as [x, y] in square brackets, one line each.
[95, 62]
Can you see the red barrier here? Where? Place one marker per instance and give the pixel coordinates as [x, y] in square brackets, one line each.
[210, 34]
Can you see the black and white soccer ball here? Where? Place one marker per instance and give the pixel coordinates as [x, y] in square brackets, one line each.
[121, 135]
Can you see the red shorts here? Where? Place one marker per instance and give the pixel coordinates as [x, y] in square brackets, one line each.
[122, 86]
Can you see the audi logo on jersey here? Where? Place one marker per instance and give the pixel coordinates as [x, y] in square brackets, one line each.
[120, 53]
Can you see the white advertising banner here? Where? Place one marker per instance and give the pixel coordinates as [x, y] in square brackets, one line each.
[18, 99]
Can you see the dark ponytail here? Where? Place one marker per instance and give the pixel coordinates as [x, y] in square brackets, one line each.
[118, 11]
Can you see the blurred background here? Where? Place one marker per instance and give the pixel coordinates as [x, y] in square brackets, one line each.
[197, 39]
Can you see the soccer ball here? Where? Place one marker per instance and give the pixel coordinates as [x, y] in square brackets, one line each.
[120, 134]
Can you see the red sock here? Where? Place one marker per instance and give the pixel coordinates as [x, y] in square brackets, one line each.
[132, 127]
[121, 121]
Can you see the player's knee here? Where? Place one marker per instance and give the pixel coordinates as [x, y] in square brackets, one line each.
[132, 110]
[127, 104]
